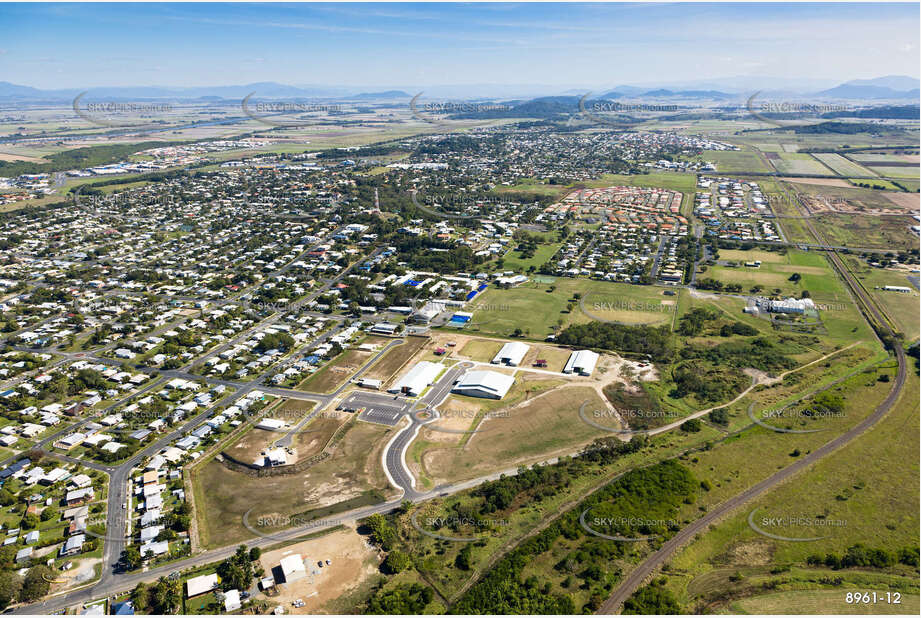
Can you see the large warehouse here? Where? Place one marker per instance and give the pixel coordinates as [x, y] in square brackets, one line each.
[487, 384]
[417, 379]
[511, 354]
[582, 362]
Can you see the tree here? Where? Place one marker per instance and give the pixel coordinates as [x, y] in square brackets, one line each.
[236, 571]
[30, 521]
[463, 558]
[49, 514]
[383, 533]
[167, 595]
[6, 498]
[131, 557]
[652, 599]
[10, 584]
[140, 596]
[395, 562]
[36, 583]
[7, 556]
[254, 554]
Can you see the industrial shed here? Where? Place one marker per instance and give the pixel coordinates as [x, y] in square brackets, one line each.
[511, 354]
[417, 379]
[582, 362]
[486, 384]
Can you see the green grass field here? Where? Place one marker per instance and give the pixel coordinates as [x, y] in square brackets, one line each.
[535, 309]
[775, 272]
[676, 181]
[868, 231]
[735, 162]
[840, 316]
[513, 260]
[532, 186]
[896, 172]
[902, 308]
[841, 165]
[798, 163]
[866, 488]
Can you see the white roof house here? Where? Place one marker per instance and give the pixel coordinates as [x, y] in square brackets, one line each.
[417, 379]
[512, 353]
[582, 362]
[201, 584]
[232, 600]
[487, 384]
[156, 548]
[292, 567]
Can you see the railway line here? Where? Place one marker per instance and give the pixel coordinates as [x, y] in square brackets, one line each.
[875, 315]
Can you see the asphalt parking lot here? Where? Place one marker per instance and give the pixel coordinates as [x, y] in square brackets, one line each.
[378, 407]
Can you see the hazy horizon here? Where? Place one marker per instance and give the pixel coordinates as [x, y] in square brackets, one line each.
[374, 46]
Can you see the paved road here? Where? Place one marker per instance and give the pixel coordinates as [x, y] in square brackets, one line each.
[395, 455]
[658, 258]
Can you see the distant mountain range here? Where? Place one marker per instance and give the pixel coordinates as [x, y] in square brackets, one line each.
[891, 87]
[263, 90]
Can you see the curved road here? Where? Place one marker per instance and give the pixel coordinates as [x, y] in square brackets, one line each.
[395, 455]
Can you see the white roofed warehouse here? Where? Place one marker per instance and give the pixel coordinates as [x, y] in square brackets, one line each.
[582, 362]
[292, 568]
[414, 381]
[486, 384]
[511, 354]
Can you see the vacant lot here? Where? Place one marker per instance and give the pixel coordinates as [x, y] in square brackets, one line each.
[736, 162]
[866, 200]
[539, 309]
[868, 231]
[685, 183]
[482, 350]
[863, 485]
[394, 359]
[251, 444]
[352, 563]
[546, 425]
[514, 260]
[335, 373]
[556, 357]
[351, 477]
[313, 437]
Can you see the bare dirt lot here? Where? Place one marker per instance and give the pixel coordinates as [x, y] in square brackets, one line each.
[394, 359]
[330, 377]
[351, 477]
[352, 560]
[7, 156]
[822, 204]
[905, 201]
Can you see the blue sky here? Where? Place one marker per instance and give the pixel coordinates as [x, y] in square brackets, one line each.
[409, 45]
